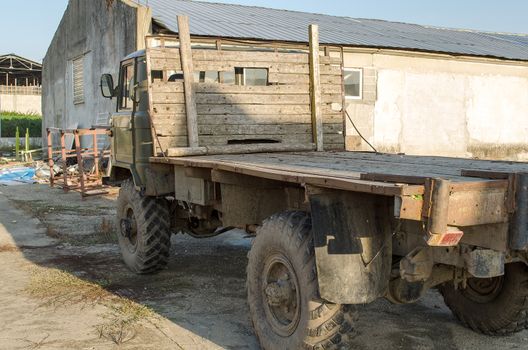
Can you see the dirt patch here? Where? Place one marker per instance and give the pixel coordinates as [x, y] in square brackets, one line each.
[102, 233]
[8, 248]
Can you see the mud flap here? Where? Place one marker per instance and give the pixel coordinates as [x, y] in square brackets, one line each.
[519, 221]
[353, 246]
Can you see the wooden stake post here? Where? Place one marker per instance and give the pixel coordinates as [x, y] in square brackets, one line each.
[315, 87]
[188, 75]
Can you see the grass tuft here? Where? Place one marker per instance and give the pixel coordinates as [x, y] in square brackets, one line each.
[123, 320]
[56, 287]
[59, 288]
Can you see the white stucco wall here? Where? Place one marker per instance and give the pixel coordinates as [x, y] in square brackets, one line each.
[442, 106]
[21, 103]
[497, 109]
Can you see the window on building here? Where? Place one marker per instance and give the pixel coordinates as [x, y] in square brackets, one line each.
[156, 75]
[353, 83]
[228, 77]
[78, 80]
[127, 82]
[207, 76]
[255, 76]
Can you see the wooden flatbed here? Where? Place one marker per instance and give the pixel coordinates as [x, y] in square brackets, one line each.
[480, 191]
[380, 173]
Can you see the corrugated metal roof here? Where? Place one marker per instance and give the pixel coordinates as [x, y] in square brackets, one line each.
[249, 22]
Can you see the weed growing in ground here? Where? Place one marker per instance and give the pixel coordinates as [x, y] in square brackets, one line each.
[123, 320]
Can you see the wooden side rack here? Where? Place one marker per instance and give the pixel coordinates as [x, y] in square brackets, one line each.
[88, 181]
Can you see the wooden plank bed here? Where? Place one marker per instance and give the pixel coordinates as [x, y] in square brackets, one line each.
[355, 167]
[480, 191]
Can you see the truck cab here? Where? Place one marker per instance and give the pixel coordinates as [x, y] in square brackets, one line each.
[131, 141]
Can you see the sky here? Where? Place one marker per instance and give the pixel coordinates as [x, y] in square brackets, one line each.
[35, 21]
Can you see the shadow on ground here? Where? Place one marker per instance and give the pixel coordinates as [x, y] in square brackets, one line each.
[203, 289]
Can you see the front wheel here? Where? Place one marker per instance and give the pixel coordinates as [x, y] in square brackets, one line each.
[143, 230]
[492, 306]
[283, 293]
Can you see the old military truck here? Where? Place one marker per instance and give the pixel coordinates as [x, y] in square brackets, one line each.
[211, 137]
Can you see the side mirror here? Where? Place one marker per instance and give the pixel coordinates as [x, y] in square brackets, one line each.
[107, 86]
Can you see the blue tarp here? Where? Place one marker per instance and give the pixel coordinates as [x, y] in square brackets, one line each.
[17, 176]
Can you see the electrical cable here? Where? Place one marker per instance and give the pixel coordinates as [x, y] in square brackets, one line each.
[359, 133]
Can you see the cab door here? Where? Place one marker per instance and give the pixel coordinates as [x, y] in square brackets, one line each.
[123, 139]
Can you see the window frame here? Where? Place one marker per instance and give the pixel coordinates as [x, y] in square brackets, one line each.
[360, 70]
[122, 82]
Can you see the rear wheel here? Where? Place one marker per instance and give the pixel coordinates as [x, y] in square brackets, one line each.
[493, 306]
[284, 302]
[144, 230]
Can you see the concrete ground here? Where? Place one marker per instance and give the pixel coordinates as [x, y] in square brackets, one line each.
[64, 287]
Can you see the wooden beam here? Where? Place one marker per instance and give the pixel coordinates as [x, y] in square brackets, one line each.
[486, 174]
[315, 87]
[406, 179]
[155, 140]
[220, 73]
[143, 23]
[238, 149]
[188, 76]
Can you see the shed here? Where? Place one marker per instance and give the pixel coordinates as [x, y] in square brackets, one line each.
[20, 80]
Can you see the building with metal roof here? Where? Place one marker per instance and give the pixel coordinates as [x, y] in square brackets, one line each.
[259, 23]
[408, 88]
[20, 80]
[16, 70]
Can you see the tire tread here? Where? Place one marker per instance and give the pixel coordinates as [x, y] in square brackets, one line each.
[152, 216]
[330, 326]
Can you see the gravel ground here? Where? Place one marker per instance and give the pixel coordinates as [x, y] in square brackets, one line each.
[198, 302]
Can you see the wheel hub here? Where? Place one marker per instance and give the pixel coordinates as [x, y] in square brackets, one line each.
[484, 290]
[128, 228]
[281, 295]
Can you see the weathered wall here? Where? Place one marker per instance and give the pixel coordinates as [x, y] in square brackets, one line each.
[441, 106]
[30, 104]
[104, 36]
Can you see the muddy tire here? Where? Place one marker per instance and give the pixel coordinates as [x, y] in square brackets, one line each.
[492, 306]
[143, 230]
[283, 296]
